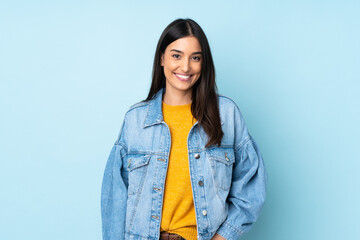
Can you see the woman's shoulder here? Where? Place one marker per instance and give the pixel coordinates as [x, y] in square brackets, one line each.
[137, 110]
[226, 101]
[138, 105]
[228, 105]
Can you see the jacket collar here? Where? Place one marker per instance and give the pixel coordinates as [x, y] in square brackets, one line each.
[154, 114]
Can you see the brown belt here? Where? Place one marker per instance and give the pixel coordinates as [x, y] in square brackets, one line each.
[170, 236]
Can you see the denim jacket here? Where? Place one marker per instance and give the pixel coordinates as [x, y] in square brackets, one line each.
[228, 181]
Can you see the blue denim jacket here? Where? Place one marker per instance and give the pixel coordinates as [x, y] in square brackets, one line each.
[228, 182]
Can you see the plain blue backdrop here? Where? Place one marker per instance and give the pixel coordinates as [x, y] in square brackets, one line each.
[70, 69]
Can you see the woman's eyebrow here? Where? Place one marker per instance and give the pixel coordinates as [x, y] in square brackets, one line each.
[175, 50]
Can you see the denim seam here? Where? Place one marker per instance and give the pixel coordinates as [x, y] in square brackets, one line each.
[138, 196]
[243, 142]
[137, 105]
[233, 228]
[120, 144]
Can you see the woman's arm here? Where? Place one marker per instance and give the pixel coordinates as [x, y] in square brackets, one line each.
[114, 193]
[248, 188]
[247, 192]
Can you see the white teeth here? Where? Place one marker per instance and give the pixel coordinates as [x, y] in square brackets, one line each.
[184, 77]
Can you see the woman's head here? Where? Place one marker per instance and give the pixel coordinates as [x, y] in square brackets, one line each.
[174, 34]
[181, 63]
[183, 49]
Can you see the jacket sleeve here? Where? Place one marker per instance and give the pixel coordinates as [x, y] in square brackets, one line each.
[248, 188]
[114, 192]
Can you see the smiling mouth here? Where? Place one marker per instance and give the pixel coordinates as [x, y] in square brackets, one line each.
[183, 76]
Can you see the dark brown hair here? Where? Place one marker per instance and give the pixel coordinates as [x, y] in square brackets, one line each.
[204, 107]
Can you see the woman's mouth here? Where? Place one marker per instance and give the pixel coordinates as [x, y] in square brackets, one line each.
[183, 77]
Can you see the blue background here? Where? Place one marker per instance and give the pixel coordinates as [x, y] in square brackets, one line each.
[70, 69]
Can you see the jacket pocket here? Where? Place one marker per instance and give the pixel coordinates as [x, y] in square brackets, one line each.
[137, 167]
[221, 160]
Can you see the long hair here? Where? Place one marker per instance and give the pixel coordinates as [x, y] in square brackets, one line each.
[204, 107]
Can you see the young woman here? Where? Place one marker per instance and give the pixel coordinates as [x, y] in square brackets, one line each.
[184, 165]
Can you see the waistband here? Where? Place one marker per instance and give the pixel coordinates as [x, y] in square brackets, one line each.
[170, 236]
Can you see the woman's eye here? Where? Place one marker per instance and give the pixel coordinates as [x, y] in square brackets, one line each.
[175, 55]
[197, 58]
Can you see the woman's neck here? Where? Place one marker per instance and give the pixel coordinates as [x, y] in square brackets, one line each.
[172, 97]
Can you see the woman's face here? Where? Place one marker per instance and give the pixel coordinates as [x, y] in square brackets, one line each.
[182, 63]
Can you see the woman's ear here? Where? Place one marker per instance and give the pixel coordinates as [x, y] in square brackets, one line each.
[162, 59]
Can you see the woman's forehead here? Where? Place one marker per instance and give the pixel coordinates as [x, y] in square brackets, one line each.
[188, 45]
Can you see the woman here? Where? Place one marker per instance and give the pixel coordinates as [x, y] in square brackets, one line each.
[184, 165]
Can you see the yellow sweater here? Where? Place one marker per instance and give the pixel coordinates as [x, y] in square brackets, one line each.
[178, 213]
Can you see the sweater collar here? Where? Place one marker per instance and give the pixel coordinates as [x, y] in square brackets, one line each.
[154, 114]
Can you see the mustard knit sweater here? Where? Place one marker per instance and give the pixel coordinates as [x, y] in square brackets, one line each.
[178, 212]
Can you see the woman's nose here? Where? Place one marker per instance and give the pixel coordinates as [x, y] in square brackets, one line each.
[185, 65]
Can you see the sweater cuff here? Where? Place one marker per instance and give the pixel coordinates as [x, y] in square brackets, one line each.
[229, 232]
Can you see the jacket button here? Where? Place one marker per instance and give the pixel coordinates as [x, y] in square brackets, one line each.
[201, 183]
[197, 156]
[204, 212]
[226, 157]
